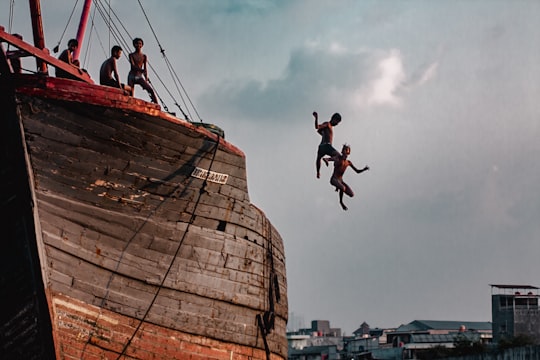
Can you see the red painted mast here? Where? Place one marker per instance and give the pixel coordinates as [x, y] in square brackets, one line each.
[82, 27]
[37, 29]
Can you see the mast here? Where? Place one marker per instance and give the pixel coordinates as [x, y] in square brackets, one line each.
[82, 27]
[37, 29]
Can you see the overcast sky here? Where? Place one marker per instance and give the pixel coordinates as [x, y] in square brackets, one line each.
[440, 98]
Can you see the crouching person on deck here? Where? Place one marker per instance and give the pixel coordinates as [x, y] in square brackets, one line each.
[67, 57]
[109, 69]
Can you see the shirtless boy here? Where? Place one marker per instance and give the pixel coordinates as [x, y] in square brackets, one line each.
[326, 130]
[340, 165]
[108, 73]
[67, 57]
[138, 74]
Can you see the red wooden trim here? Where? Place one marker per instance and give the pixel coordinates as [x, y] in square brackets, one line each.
[82, 27]
[37, 31]
[76, 91]
[44, 55]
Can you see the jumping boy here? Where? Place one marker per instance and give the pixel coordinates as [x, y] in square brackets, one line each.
[340, 165]
[138, 74]
[326, 130]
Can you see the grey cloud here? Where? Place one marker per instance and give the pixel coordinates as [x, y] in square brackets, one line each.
[310, 75]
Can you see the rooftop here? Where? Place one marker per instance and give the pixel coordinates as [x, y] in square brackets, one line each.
[426, 325]
[528, 287]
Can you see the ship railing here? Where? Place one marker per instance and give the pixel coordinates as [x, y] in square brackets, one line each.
[43, 54]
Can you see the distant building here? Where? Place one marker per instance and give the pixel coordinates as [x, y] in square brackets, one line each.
[420, 335]
[322, 327]
[437, 331]
[320, 341]
[323, 352]
[362, 331]
[515, 311]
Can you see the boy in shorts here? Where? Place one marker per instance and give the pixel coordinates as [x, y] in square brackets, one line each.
[326, 130]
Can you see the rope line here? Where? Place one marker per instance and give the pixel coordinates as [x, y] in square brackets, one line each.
[11, 15]
[123, 38]
[170, 68]
[55, 49]
[123, 252]
[266, 320]
[93, 25]
[113, 24]
[192, 218]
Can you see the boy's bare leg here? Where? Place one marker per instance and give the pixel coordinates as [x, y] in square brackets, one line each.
[341, 201]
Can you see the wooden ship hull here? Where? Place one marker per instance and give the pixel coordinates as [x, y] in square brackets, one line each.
[128, 233]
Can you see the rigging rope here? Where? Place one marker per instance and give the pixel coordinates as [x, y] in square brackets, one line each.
[266, 321]
[56, 48]
[169, 67]
[116, 29]
[116, 33]
[186, 117]
[11, 12]
[84, 63]
[123, 252]
[111, 24]
[93, 25]
[11, 16]
[202, 190]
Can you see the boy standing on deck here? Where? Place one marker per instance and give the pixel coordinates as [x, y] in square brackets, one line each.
[138, 74]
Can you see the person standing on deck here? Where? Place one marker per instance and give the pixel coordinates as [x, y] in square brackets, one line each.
[138, 74]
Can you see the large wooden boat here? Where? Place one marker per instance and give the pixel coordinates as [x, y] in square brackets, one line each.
[126, 233]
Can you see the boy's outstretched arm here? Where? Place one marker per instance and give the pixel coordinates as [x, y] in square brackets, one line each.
[316, 116]
[358, 171]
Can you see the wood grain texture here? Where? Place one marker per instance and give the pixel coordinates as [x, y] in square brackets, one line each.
[129, 234]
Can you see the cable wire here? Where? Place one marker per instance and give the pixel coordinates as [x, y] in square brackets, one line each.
[56, 48]
[202, 190]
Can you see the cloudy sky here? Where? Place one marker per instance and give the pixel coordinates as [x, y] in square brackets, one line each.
[439, 98]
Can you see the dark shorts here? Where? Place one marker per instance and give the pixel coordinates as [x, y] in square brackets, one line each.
[109, 82]
[326, 149]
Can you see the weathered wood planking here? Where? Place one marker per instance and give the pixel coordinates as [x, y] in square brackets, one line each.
[25, 325]
[232, 269]
[128, 230]
[109, 331]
